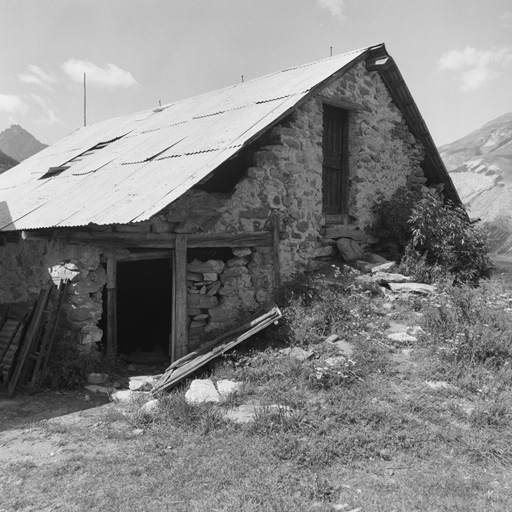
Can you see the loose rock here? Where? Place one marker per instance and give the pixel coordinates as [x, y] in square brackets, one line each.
[201, 391]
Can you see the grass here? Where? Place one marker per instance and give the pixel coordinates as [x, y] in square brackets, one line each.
[419, 427]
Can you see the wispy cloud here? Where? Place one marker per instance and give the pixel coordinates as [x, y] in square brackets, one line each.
[37, 76]
[45, 109]
[506, 19]
[111, 76]
[11, 104]
[336, 7]
[476, 67]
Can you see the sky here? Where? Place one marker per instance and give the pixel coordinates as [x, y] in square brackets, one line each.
[455, 55]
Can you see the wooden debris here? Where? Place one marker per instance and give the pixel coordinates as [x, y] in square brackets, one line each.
[191, 362]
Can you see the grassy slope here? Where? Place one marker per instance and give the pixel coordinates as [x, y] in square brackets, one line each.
[374, 435]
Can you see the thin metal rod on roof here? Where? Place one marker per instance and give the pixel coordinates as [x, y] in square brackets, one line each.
[159, 103]
[85, 100]
[331, 52]
[242, 78]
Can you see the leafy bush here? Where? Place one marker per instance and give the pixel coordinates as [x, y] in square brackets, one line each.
[391, 222]
[447, 240]
[433, 239]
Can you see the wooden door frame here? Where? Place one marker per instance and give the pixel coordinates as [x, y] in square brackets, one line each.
[178, 338]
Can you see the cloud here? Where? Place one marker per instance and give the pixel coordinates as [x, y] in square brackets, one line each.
[46, 109]
[110, 76]
[506, 19]
[38, 77]
[476, 67]
[336, 7]
[11, 104]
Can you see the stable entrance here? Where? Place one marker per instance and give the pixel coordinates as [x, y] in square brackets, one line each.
[144, 305]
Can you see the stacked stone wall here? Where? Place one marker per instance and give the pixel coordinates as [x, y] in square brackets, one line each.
[28, 266]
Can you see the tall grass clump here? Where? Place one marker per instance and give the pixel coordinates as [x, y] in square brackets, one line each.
[471, 330]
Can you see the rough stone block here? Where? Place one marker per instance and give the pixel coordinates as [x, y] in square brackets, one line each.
[201, 391]
[203, 267]
[201, 301]
[241, 252]
[237, 262]
[222, 315]
[349, 249]
[210, 276]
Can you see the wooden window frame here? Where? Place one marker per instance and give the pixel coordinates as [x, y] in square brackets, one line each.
[343, 114]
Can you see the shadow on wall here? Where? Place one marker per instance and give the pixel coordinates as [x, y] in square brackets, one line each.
[5, 215]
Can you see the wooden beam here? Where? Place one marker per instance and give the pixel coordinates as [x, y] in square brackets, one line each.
[165, 240]
[111, 305]
[180, 338]
[344, 103]
[277, 263]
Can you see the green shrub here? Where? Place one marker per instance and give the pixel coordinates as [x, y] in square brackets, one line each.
[433, 239]
[444, 238]
[391, 226]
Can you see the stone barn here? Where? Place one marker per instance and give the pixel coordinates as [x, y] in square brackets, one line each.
[174, 222]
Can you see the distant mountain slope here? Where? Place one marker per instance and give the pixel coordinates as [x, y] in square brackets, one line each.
[18, 143]
[6, 162]
[480, 165]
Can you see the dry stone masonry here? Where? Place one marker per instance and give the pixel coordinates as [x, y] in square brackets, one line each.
[280, 180]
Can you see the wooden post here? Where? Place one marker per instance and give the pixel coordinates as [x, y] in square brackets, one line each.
[275, 237]
[180, 325]
[111, 305]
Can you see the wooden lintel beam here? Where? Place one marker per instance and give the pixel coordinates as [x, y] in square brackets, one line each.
[167, 240]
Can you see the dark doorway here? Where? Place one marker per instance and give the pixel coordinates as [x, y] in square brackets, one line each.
[144, 310]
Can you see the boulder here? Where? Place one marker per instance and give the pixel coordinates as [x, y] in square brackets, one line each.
[349, 249]
[226, 387]
[201, 391]
[141, 383]
[150, 409]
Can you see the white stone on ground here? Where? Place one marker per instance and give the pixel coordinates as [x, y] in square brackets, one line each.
[225, 387]
[423, 289]
[141, 383]
[150, 409]
[401, 337]
[201, 391]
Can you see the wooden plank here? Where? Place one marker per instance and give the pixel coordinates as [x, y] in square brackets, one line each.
[172, 336]
[9, 357]
[7, 333]
[168, 240]
[111, 305]
[151, 255]
[43, 355]
[190, 363]
[180, 302]
[30, 338]
[275, 245]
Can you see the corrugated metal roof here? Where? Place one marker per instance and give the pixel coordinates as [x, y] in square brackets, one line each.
[152, 157]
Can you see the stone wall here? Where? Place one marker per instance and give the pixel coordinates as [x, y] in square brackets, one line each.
[28, 266]
[283, 176]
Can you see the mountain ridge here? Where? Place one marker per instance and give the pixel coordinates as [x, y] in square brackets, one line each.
[480, 165]
[19, 144]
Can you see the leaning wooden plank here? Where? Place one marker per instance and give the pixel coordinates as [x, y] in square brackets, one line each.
[7, 333]
[10, 356]
[46, 344]
[184, 367]
[29, 339]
